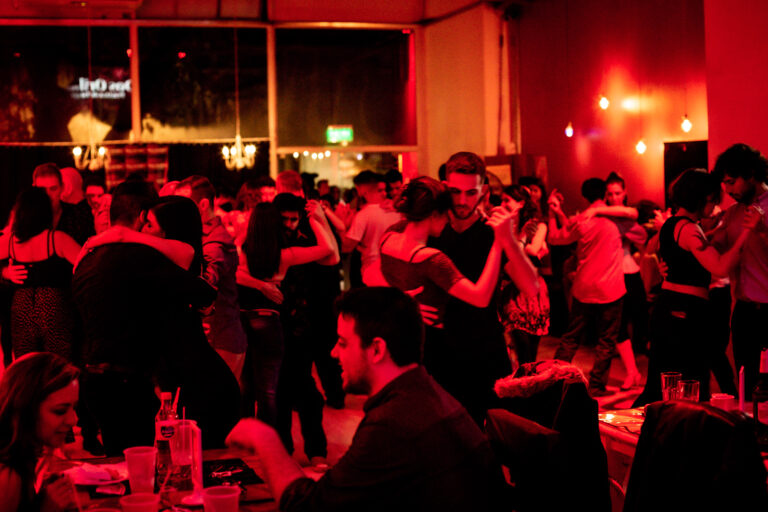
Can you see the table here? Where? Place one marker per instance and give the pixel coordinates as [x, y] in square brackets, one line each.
[257, 497]
[620, 432]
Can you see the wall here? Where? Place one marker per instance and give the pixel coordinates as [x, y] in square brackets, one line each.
[737, 74]
[459, 87]
[651, 51]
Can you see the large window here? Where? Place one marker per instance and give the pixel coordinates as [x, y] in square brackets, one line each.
[188, 83]
[46, 94]
[344, 77]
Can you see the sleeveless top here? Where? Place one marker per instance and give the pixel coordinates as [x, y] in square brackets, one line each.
[52, 272]
[437, 274]
[684, 268]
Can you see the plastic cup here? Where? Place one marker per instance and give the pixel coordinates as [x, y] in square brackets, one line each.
[722, 401]
[222, 498]
[670, 381]
[141, 468]
[689, 390]
[140, 502]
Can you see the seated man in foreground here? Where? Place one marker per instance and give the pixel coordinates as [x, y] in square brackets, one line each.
[416, 447]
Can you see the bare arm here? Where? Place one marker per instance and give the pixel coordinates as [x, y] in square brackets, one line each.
[66, 247]
[4, 244]
[10, 488]
[300, 255]
[479, 294]
[624, 212]
[561, 230]
[560, 235]
[268, 289]
[335, 221]
[335, 256]
[519, 267]
[280, 470]
[637, 235]
[692, 239]
[178, 252]
[538, 241]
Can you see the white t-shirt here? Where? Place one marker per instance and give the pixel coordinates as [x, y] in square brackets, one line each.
[367, 227]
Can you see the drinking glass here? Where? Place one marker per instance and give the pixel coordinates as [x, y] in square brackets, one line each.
[688, 390]
[221, 498]
[670, 382]
[141, 468]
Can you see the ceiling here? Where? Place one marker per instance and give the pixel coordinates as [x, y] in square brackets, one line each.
[394, 11]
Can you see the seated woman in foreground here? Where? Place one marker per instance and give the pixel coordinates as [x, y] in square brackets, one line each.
[38, 394]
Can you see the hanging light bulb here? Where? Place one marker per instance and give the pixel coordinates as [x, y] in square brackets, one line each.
[604, 103]
[686, 125]
[569, 130]
[295, 154]
[640, 147]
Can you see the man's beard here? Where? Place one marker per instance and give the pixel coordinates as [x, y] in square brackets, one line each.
[466, 216]
[748, 196]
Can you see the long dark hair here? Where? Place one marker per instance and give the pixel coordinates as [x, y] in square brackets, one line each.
[264, 240]
[529, 210]
[32, 214]
[23, 388]
[180, 220]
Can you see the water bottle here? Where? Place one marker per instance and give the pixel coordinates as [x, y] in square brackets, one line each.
[165, 428]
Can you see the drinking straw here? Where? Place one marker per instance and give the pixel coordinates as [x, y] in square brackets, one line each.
[741, 389]
[176, 399]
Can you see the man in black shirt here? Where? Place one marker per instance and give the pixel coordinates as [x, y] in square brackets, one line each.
[125, 294]
[74, 220]
[415, 449]
[474, 337]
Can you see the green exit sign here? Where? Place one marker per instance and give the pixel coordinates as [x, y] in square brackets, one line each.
[336, 133]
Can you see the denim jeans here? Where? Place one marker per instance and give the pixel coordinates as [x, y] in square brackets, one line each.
[607, 318]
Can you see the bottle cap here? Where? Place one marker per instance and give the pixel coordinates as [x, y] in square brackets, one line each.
[166, 395]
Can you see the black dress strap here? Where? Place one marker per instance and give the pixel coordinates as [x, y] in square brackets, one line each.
[677, 236]
[384, 238]
[417, 251]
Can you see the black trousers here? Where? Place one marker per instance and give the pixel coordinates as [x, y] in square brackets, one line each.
[748, 324]
[124, 407]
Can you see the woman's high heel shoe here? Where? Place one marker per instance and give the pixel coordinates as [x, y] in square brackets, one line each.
[632, 380]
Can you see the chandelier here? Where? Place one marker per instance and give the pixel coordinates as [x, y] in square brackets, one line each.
[237, 156]
[92, 157]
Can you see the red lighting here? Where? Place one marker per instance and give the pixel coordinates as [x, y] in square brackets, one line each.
[407, 31]
[128, 52]
[16, 54]
[181, 55]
